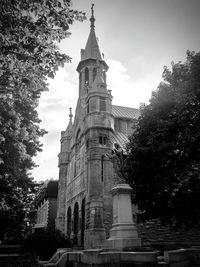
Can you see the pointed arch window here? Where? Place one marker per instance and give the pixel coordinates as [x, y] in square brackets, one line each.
[82, 221]
[94, 73]
[86, 76]
[69, 221]
[102, 139]
[77, 159]
[87, 107]
[78, 140]
[76, 223]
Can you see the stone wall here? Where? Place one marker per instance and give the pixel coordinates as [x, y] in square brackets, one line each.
[107, 197]
[52, 213]
[63, 168]
[42, 212]
[154, 233]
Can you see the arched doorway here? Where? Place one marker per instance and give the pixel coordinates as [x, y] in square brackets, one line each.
[69, 221]
[82, 221]
[76, 219]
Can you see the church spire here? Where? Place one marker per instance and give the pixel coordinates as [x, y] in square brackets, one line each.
[92, 19]
[92, 48]
[70, 114]
[69, 127]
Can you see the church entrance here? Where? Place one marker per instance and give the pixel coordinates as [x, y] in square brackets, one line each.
[82, 222]
[69, 221]
[76, 219]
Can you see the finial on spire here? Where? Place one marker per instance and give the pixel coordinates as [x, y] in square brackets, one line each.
[70, 114]
[92, 19]
[92, 9]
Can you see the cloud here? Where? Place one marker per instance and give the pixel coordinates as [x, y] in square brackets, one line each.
[63, 93]
[48, 169]
[54, 112]
[125, 90]
[54, 104]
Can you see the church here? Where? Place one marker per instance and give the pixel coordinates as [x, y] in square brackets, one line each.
[86, 175]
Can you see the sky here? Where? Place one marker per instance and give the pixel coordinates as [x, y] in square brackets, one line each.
[138, 38]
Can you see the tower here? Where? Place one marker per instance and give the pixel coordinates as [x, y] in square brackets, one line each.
[85, 174]
[98, 130]
[63, 163]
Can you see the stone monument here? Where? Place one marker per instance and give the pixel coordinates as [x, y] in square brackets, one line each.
[123, 233]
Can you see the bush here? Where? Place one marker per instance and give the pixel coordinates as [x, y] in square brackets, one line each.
[45, 243]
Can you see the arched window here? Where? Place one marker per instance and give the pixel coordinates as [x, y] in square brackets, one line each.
[87, 107]
[69, 221]
[77, 163]
[94, 73]
[78, 134]
[76, 219]
[86, 76]
[82, 221]
[78, 140]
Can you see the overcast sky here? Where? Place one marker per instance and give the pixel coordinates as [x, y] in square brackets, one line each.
[137, 37]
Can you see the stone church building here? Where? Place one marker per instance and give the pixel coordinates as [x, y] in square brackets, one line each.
[86, 175]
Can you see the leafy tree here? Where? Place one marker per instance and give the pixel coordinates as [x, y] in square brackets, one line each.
[164, 151]
[29, 34]
[45, 243]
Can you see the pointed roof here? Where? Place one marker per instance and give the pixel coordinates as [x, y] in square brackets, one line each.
[92, 48]
[68, 131]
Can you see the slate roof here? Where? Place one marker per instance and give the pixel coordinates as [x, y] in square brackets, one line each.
[120, 138]
[92, 48]
[124, 112]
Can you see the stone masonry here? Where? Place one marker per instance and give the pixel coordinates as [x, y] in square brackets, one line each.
[86, 175]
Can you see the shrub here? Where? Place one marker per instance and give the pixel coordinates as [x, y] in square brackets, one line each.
[45, 243]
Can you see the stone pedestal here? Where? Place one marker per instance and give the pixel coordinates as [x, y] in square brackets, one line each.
[123, 233]
[94, 235]
[94, 238]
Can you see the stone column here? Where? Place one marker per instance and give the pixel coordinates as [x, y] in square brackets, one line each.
[61, 202]
[95, 235]
[123, 233]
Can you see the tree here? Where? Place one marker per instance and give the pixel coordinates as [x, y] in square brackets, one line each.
[29, 33]
[164, 151]
[45, 243]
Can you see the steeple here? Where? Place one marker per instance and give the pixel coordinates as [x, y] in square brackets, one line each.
[92, 48]
[92, 19]
[91, 63]
[69, 127]
[70, 114]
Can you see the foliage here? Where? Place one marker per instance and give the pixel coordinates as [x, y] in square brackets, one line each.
[45, 243]
[17, 213]
[29, 33]
[164, 151]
